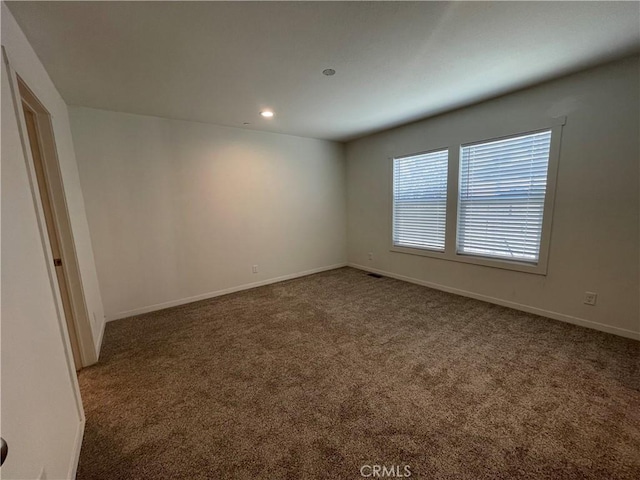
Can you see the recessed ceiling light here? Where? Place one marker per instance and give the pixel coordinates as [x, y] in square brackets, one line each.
[266, 113]
[328, 72]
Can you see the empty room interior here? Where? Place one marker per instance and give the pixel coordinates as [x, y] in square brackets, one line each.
[304, 240]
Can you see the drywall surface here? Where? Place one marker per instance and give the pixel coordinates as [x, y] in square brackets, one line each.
[594, 239]
[28, 67]
[42, 417]
[179, 210]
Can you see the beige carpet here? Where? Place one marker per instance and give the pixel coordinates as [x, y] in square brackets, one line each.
[319, 376]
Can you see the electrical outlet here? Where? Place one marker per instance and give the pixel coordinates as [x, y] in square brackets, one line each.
[254, 269]
[370, 255]
[590, 298]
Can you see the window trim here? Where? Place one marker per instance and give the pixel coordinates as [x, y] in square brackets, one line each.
[453, 178]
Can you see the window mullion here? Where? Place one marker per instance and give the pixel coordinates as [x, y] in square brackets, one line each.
[453, 177]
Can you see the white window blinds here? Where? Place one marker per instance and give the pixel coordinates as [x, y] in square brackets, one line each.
[501, 199]
[420, 200]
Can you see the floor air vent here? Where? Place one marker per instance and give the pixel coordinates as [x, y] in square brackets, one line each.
[374, 275]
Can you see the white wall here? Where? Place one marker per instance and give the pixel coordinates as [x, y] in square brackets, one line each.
[26, 64]
[42, 418]
[182, 210]
[594, 244]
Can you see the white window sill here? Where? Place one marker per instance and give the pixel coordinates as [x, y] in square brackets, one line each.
[538, 269]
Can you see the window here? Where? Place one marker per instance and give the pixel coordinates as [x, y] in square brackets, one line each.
[420, 200]
[501, 200]
[486, 200]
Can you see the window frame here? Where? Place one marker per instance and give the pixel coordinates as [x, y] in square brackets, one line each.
[453, 184]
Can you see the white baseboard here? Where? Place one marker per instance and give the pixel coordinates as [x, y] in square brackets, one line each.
[77, 447]
[204, 296]
[623, 332]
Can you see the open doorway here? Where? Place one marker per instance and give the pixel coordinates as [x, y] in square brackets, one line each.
[41, 145]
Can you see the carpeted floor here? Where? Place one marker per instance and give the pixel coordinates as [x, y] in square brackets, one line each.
[320, 376]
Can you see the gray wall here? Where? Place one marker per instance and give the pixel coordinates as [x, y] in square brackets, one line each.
[594, 242]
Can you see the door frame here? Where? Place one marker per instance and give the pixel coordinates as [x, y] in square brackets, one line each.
[50, 162]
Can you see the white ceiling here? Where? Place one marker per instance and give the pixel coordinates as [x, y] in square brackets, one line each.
[222, 62]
